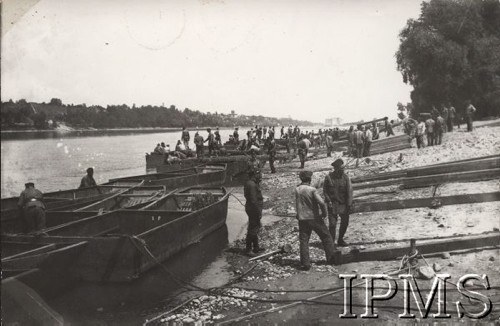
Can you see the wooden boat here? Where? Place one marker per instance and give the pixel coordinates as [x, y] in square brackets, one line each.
[235, 164]
[120, 245]
[202, 175]
[130, 197]
[10, 221]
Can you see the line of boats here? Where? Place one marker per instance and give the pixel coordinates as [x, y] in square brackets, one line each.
[113, 232]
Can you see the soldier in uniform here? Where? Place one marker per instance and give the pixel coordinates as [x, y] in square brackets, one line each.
[253, 163]
[31, 208]
[271, 150]
[198, 141]
[236, 136]
[218, 140]
[211, 142]
[338, 193]
[88, 179]
[253, 208]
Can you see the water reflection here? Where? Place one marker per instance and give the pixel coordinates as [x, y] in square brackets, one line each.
[92, 302]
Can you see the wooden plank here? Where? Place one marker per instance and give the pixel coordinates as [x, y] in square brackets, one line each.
[389, 149]
[484, 164]
[455, 166]
[424, 181]
[32, 251]
[424, 247]
[425, 202]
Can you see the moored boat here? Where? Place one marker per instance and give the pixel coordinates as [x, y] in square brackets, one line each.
[235, 164]
[74, 199]
[120, 245]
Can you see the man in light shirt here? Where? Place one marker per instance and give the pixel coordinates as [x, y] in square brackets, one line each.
[420, 133]
[367, 140]
[469, 114]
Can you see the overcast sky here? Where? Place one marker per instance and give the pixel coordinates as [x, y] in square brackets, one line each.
[305, 59]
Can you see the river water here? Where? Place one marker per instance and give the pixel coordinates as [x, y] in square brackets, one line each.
[57, 161]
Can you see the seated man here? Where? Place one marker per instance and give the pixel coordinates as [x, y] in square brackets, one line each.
[158, 149]
[180, 147]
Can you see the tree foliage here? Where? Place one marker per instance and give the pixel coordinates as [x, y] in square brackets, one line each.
[451, 53]
[122, 116]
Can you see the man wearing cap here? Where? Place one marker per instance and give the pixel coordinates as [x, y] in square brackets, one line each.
[236, 135]
[253, 208]
[88, 180]
[218, 140]
[31, 208]
[198, 141]
[311, 210]
[338, 193]
[211, 142]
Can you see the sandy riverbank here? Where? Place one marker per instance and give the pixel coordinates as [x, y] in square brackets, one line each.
[366, 230]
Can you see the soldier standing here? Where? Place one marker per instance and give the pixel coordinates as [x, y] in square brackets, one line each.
[198, 141]
[253, 208]
[211, 142]
[338, 193]
[272, 154]
[31, 208]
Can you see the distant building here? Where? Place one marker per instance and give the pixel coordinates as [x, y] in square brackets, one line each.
[333, 122]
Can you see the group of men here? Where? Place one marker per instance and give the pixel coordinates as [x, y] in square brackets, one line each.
[311, 208]
[433, 125]
[31, 204]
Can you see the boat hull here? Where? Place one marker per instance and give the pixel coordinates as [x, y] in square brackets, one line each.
[119, 245]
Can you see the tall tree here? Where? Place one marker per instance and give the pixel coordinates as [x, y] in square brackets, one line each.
[452, 53]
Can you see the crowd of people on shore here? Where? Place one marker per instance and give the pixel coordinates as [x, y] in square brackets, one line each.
[263, 140]
[429, 128]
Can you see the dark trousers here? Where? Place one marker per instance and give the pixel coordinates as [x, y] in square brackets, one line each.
[430, 139]
[450, 124]
[199, 151]
[254, 217]
[332, 227]
[469, 123]
[420, 141]
[186, 143]
[329, 150]
[305, 230]
[272, 158]
[302, 157]
[438, 137]
[366, 150]
[359, 150]
[211, 149]
[34, 218]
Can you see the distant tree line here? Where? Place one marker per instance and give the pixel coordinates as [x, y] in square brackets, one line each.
[22, 114]
[451, 53]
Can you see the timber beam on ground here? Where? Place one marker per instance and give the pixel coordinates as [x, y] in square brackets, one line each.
[432, 202]
[478, 163]
[429, 180]
[424, 247]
